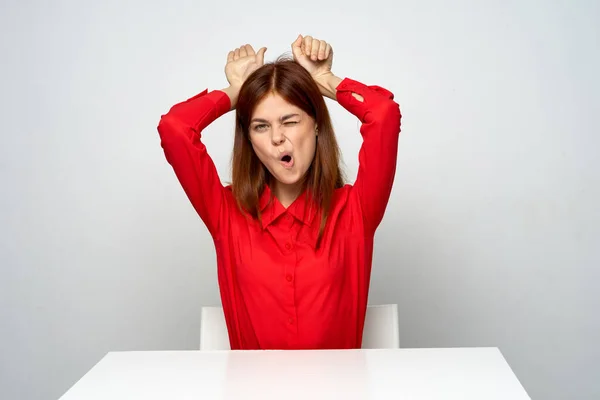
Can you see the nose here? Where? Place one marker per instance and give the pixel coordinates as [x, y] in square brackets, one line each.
[277, 137]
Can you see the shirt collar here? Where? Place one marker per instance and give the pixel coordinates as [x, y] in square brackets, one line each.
[303, 208]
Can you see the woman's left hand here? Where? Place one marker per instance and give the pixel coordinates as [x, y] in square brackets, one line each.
[316, 56]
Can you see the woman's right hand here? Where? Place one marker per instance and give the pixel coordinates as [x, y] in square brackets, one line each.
[242, 62]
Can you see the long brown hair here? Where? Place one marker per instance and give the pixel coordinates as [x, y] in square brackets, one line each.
[249, 176]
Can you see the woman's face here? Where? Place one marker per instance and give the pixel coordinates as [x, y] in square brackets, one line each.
[284, 138]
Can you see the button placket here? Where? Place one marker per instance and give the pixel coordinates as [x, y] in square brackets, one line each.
[290, 289]
[288, 245]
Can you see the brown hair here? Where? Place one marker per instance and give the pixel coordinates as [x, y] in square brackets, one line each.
[249, 176]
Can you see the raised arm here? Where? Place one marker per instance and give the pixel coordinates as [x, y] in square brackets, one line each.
[180, 131]
[380, 116]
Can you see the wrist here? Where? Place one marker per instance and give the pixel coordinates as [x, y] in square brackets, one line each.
[232, 92]
[328, 84]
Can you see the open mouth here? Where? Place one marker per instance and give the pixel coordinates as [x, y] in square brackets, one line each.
[287, 161]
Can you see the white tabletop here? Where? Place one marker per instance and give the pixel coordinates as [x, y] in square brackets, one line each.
[459, 373]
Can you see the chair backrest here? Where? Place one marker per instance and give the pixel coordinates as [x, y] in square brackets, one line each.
[381, 329]
[213, 329]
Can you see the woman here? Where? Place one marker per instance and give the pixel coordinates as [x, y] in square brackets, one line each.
[294, 243]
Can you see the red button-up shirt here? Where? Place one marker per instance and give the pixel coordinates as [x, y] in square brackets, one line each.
[277, 291]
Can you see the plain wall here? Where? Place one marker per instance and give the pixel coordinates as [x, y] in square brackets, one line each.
[492, 230]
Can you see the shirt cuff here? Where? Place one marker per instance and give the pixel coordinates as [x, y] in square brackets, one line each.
[348, 84]
[219, 98]
[199, 111]
[372, 96]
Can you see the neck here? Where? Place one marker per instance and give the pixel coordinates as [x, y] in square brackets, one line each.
[287, 194]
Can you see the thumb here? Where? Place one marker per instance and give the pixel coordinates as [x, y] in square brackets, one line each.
[260, 56]
[297, 46]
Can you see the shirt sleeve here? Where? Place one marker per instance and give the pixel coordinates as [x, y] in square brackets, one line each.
[180, 132]
[380, 128]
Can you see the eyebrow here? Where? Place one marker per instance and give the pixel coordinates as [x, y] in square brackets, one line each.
[283, 118]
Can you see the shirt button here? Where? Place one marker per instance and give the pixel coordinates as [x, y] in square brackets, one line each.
[288, 246]
[290, 320]
[288, 278]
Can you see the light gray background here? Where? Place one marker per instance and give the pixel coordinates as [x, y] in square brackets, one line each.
[491, 234]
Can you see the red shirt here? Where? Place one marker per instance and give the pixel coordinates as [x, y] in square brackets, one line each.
[277, 292]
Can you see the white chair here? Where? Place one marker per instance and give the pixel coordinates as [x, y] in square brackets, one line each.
[381, 329]
[213, 330]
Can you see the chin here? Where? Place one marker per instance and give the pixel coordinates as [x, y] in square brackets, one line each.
[287, 177]
[287, 180]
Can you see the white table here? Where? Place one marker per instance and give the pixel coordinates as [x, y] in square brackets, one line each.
[458, 373]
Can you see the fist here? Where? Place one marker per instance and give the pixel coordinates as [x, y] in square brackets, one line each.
[242, 62]
[316, 56]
